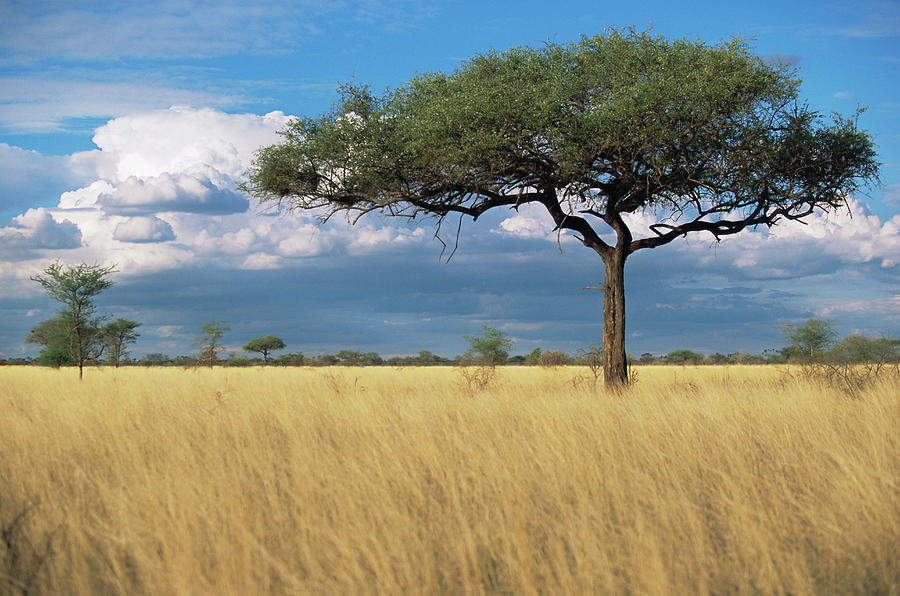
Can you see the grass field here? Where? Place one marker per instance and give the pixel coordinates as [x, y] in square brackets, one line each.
[712, 480]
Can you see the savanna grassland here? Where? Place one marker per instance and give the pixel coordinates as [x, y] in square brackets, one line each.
[712, 480]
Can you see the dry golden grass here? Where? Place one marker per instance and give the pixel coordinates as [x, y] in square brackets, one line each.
[353, 481]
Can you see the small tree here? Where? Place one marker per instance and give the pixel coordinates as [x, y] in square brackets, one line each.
[356, 358]
[210, 342]
[533, 358]
[718, 358]
[264, 345]
[427, 358]
[684, 357]
[52, 334]
[324, 360]
[75, 288]
[862, 349]
[155, 359]
[553, 358]
[239, 360]
[291, 359]
[592, 357]
[478, 364]
[811, 339]
[855, 362]
[116, 335]
[489, 349]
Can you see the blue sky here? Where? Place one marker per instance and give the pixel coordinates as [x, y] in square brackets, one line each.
[125, 126]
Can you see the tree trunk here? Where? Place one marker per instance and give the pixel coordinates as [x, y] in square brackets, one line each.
[79, 353]
[615, 362]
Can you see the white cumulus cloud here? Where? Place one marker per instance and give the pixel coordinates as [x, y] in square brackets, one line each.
[162, 195]
[37, 229]
[847, 237]
[522, 226]
[183, 140]
[789, 249]
[140, 230]
[182, 162]
[529, 221]
[166, 192]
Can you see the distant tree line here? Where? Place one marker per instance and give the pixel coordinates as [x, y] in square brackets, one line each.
[813, 340]
[238, 359]
[78, 336]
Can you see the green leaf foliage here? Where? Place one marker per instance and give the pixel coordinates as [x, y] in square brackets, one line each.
[75, 287]
[810, 339]
[606, 125]
[75, 331]
[490, 348]
[117, 334]
[55, 355]
[264, 345]
[210, 341]
[684, 357]
[54, 335]
[355, 358]
[857, 349]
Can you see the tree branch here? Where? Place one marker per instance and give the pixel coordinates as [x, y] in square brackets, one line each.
[565, 221]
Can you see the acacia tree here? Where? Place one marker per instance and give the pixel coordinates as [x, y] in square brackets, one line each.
[810, 339]
[116, 335]
[488, 349]
[53, 335]
[210, 342]
[700, 137]
[75, 287]
[264, 345]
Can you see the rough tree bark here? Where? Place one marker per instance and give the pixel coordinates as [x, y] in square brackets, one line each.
[615, 362]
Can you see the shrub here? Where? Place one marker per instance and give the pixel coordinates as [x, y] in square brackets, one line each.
[854, 363]
[553, 358]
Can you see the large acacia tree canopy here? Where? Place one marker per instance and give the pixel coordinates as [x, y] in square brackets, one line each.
[709, 137]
